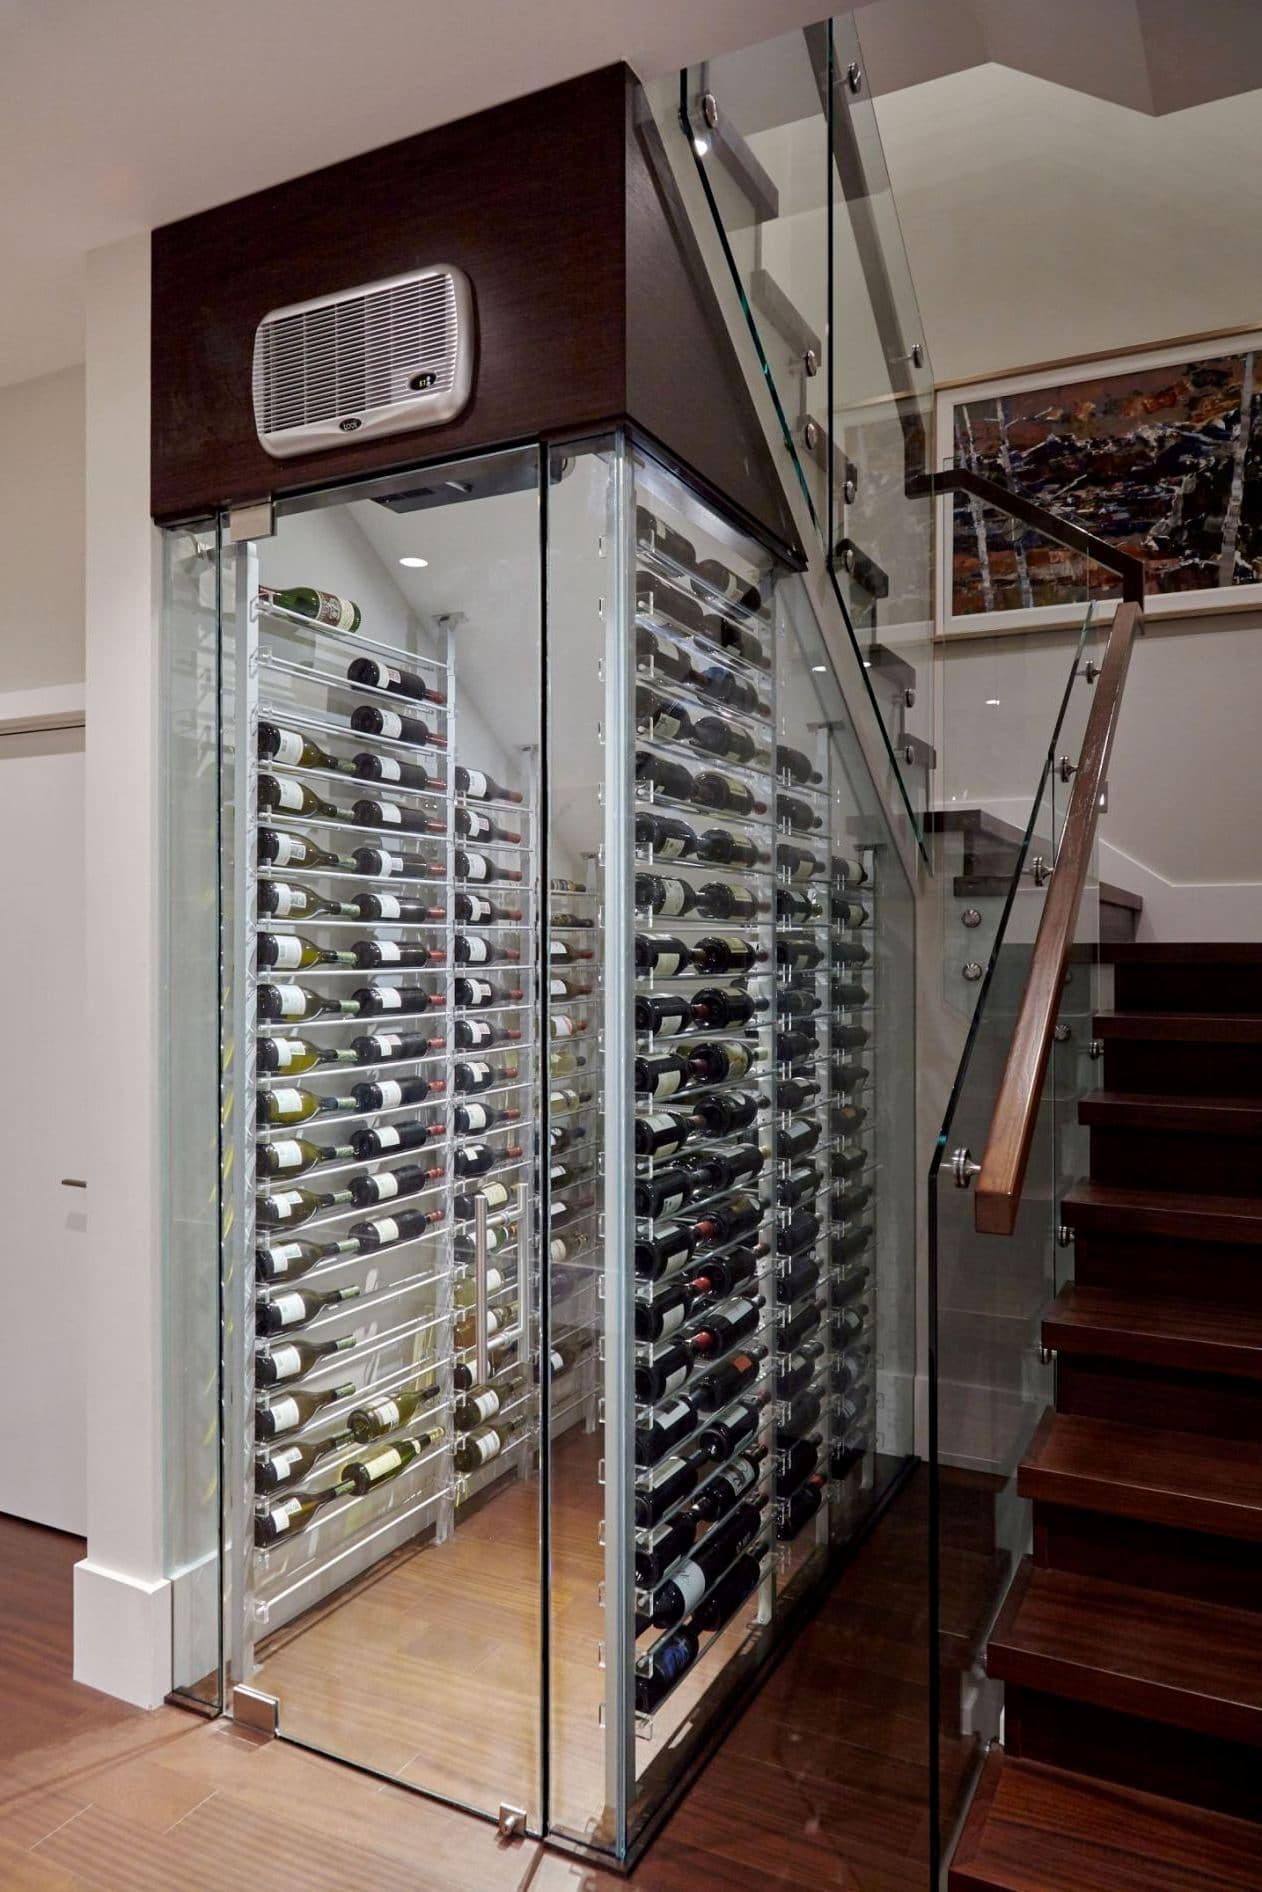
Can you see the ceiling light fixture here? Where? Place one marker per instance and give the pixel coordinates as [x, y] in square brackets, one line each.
[414, 564]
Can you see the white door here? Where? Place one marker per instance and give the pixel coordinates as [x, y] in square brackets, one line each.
[43, 1237]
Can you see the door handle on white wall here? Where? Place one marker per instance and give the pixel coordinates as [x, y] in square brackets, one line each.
[73, 1182]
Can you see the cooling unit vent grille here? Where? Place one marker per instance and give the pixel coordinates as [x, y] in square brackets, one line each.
[381, 359]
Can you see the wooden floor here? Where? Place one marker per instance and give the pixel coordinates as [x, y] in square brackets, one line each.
[822, 1784]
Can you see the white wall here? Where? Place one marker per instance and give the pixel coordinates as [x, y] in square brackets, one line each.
[41, 532]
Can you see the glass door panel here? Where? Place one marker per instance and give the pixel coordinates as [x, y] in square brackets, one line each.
[384, 1076]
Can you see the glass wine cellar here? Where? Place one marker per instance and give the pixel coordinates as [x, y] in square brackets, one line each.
[540, 1233]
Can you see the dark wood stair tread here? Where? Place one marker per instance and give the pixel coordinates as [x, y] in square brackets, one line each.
[1107, 1208]
[1035, 1829]
[1167, 1658]
[1190, 1336]
[1206, 1028]
[1223, 952]
[1200, 1116]
[1186, 1480]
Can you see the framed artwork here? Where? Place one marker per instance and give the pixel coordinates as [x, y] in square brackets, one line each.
[1159, 452]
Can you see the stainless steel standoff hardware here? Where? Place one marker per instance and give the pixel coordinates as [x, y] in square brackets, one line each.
[963, 1168]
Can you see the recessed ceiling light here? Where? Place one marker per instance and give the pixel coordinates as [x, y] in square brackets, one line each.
[414, 564]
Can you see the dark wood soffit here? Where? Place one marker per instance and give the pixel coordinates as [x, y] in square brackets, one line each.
[526, 197]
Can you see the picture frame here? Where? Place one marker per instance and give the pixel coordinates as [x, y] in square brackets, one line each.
[1149, 458]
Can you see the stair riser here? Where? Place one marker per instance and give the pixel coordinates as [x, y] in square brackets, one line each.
[1166, 1160]
[1148, 1265]
[1195, 988]
[1207, 1403]
[1172, 1067]
[1149, 1556]
[1148, 1755]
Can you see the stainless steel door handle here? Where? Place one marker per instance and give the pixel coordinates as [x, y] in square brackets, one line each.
[73, 1182]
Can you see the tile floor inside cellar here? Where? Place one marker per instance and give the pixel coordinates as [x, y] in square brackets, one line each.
[822, 1783]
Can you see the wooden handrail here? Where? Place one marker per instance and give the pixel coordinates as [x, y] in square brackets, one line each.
[1002, 1175]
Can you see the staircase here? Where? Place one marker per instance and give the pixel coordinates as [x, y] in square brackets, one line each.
[1130, 1644]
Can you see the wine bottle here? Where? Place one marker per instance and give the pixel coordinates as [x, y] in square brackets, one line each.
[726, 1489]
[722, 1062]
[474, 909]
[481, 868]
[285, 795]
[717, 681]
[672, 1658]
[660, 599]
[480, 1404]
[372, 812]
[294, 1056]
[479, 1034]
[284, 900]
[730, 1591]
[661, 1430]
[798, 1233]
[728, 1221]
[298, 850]
[848, 873]
[289, 1261]
[324, 608]
[736, 637]
[803, 1413]
[726, 794]
[474, 993]
[845, 1203]
[664, 776]
[391, 1139]
[844, 1248]
[659, 1490]
[472, 1119]
[665, 895]
[797, 767]
[673, 1367]
[659, 1076]
[388, 1462]
[792, 1094]
[657, 1551]
[392, 907]
[718, 1388]
[476, 1449]
[685, 1588]
[847, 1077]
[369, 674]
[373, 721]
[850, 1322]
[845, 1119]
[276, 1523]
[800, 1508]
[728, 900]
[296, 1307]
[843, 1289]
[849, 1367]
[664, 1252]
[725, 581]
[288, 1411]
[847, 952]
[848, 913]
[374, 1001]
[798, 950]
[388, 1412]
[476, 1159]
[798, 1370]
[379, 863]
[289, 1105]
[289, 952]
[661, 1133]
[390, 1093]
[664, 1015]
[661, 656]
[794, 908]
[669, 838]
[387, 1185]
[274, 1365]
[396, 1048]
[724, 1007]
[795, 1003]
[725, 953]
[723, 1274]
[289, 1464]
[800, 1185]
[663, 718]
[726, 1112]
[722, 1436]
[387, 1230]
[799, 814]
[294, 1001]
[470, 1078]
[496, 1195]
[661, 954]
[846, 1163]
[663, 1193]
[478, 949]
[656, 536]
[294, 1156]
[288, 1208]
[480, 786]
[797, 863]
[371, 767]
[730, 741]
[799, 1326]
[722, 847]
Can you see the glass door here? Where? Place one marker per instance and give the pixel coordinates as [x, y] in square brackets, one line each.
[383, 1077]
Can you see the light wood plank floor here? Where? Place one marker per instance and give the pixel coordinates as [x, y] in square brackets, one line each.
[822, 1784]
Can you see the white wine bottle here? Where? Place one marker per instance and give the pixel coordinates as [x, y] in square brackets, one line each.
[289, 1261]
[289, 952]
[298, 850]
[382, 1416]
[294, 1156]
[478, 1448]
[481, 1404]
[286, 900]
[296, 1307]
[321, 607]
[289, 1464]
[380, 1467]
[289, 1001]
[288, 1105]
[288, 1411]
[288, 1208]
[296, 751]
[283, 795]
[293, 1358]
[276, 1523]
[294, 1056]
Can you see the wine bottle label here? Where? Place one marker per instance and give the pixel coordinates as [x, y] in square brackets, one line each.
[286, 1102]
[279, 1259]
[386, 1045]
[478, 992]
[675, 1380]
[388, 864]
[674, 1317]
[659, 1124]
[291, 1001]
[289, 847]
[287, 952]
[387, 1136]
[388, 769]
[285, 1050]
[479, 909]
[283, 1205]
[284, 1413]
[391, 725]
[283, 1462]
[476, 783]
[281, 1516]
[390, 1094]
[289, 747]
[385, 1185]
[558, 1249]
[386, 1230]
[674, 898]
[689, 1580]
[287, 1154]
[561, 1025]
[286, 1361]
[289, 1308]
[659, 1475]
[673, 1202]
[389, 951]
[389, 997]
[496, 1194]
[665, 1083]
[667, 1416]
[486, 1405]
[477, 950]
[479, 1031]
[671, 847]
[389, 814]
[477, 826]
[489, 1446]
[557, 949]
[286, 900]
[477, 1116]
[288, 792]
[381, 1464]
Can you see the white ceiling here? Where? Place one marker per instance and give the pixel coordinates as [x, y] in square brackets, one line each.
[118, 115]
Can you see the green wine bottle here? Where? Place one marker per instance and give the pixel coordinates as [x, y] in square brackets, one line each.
[296, 751]
[321, 607]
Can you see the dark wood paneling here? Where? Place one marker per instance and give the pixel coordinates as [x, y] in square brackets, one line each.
[683, 384]
[1145, 1754]
[527, 198]
[1150, 1556]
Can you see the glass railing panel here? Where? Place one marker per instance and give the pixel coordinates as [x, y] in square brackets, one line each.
[758, 132]
[881, 416]
[988, 1293]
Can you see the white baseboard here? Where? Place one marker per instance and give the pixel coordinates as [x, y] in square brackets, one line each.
[122, 1634]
